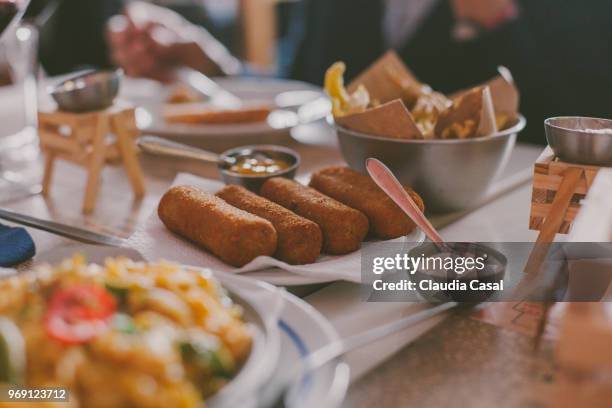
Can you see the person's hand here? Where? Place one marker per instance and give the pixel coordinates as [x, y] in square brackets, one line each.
[151, 41]
[488, 14]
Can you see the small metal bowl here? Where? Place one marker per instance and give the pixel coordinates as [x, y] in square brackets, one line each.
[224, 161]
[582, 140]
[87, 91]
[493, 272]
[254, 182]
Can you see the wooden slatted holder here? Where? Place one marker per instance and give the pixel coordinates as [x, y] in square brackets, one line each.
[91, 140]
[549, 174]
[558, 189]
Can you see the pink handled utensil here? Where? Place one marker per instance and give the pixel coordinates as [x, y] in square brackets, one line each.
[385, 179]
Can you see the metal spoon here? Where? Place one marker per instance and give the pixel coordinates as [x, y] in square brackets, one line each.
[387, 181]
[224, 161]
[215, 94]
[163, 147]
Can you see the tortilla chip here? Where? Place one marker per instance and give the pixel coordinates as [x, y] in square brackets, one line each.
[476, 112]
[387, 79]
[488, 120]
[505, 96]
[391, 120]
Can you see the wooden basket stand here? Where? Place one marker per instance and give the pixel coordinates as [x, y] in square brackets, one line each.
[558, 188]
[91, 140]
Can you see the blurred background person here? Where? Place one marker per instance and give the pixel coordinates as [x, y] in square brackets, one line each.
[558, 50]
[73, 32]
[152, 41]
[72, 36]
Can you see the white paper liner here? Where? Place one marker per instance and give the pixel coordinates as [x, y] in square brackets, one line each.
[155, 242]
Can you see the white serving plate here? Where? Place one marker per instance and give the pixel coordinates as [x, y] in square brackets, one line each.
[154, 241]
[279, 277]
[219, 137]
[284, 338]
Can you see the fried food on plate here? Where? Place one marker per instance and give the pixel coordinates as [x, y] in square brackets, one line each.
[102, 331]
[235, 236]
[387, 220]
[202, 113]
[299, 239]
[343, 227]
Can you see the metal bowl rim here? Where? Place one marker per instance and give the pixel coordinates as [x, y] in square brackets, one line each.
[548, 123]
[517, 128]
[273, 148]
[114, 74]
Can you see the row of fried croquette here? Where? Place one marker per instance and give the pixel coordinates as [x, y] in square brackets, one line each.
[291, 221]
[356, 190]
[238, 226]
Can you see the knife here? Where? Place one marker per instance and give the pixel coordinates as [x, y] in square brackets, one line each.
[217, 96]
[77, 234]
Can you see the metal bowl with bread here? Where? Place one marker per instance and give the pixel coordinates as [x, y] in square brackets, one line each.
[450, 175]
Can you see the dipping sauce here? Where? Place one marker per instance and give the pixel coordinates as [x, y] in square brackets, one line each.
[258, 166]
[465, 273]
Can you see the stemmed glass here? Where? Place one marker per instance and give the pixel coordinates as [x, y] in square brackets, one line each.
[19, 170]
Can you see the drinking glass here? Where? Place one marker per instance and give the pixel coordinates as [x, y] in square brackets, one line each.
[19, 165]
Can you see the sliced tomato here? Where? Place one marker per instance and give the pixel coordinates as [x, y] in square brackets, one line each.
[77, 314]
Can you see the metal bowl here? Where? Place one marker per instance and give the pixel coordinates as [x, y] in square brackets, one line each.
[494, 271]
[574, 139]
[87, 91]
[449, 175]
[254, 182]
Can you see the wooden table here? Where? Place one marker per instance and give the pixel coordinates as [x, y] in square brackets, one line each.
[462, 361]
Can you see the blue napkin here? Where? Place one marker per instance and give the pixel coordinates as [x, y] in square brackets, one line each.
[16, 246]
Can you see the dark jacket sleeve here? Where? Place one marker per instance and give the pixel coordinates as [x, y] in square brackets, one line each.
[338, 30]
[559, 52]
[75, 36]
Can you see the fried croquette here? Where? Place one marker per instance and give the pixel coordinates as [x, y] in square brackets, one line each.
[299, 239]
[235, 236]
[343, 228]
[387, 220]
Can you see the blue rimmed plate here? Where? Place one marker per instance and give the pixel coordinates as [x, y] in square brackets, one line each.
[286, 328]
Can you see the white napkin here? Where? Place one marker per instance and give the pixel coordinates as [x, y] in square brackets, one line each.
[155, 242]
